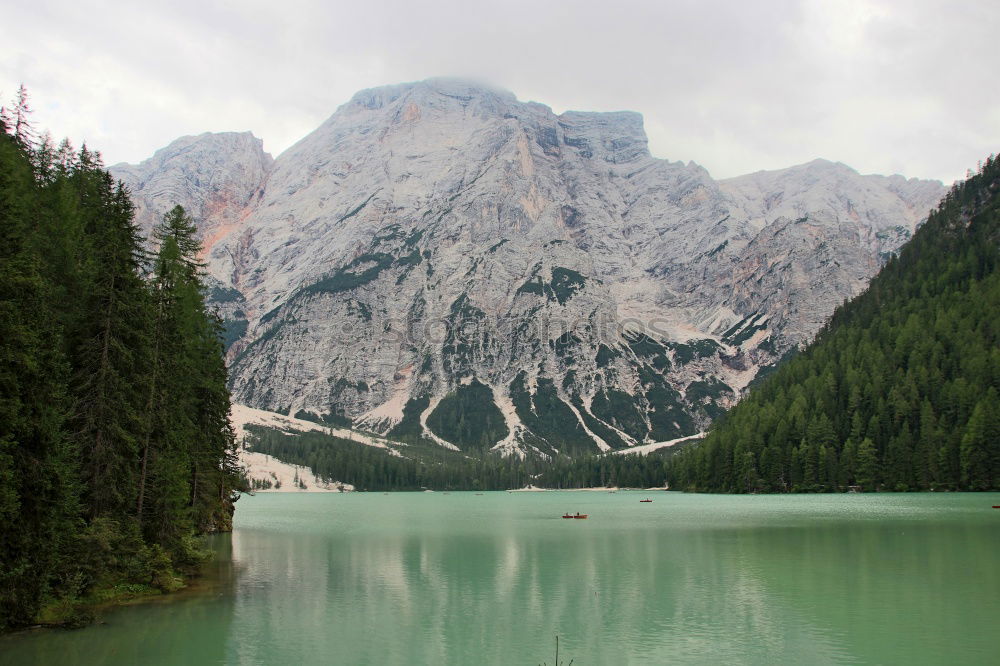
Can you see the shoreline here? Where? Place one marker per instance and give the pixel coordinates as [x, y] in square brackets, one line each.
[592, 489]
[86, 611]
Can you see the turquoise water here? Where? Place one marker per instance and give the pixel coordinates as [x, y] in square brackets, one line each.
[460, 578]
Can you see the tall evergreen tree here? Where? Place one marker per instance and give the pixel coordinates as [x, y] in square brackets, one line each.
[188, 450]
[89, 350]
[38, 493]
[111, 360]
[899, 389]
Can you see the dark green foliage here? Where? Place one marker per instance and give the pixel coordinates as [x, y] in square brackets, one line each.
[112, 354]
[188, 454]
[548, 417]
[414, 237]
[533, 286]
[899, 390]
[744, 329]
[468, 418]
[433, 467]
[221, 294]
[684, 353]
[346, 278]
[980, 449]
[599, 428]
[334, 418]
[467, 336]
[96, 373]
[409, 429]
[495, 247]
[596, 471]
[38, 472]
[354, 211]
[605, 355]
[232, 330]
[619, 409]
[370, 468]
[649, 349]
[667, 416]
[564, 283]
[705, 393]
[565, 345]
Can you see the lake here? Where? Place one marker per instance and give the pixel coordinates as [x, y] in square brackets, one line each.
[493, 578]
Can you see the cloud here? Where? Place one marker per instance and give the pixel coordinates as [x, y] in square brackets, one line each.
[736, 86]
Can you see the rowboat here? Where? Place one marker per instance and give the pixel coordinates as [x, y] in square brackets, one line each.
[646, 500]
[578, 516]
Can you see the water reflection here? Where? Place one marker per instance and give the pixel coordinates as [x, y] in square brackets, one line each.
[459, 579]
[145, 633]
[445, 586]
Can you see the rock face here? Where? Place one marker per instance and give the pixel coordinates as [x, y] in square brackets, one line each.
[217, 178]
[441, 261]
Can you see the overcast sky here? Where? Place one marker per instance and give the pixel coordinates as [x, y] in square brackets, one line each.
[906, 86]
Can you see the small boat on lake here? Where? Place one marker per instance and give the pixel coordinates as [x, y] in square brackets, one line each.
[578, 516]
[646, 500]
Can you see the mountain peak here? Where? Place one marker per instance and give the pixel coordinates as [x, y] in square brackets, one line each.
[220, 144]
[460, 90]
[534, 238]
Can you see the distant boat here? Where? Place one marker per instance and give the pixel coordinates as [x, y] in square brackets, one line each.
[578, 515]
[646, 500]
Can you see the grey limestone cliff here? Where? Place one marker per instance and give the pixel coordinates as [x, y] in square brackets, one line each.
[441, 260]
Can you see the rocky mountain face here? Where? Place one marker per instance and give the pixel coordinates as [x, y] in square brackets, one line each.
[218, 179]
[441, 261]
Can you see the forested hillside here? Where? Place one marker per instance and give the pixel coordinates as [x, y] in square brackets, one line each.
[419, 466]
[115, 444]
[899, 391]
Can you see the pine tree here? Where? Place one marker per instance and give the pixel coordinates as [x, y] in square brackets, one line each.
[76, 378]
[980, 444]
[189, 451]
[890, 392]
[110, 362]
[38, 492]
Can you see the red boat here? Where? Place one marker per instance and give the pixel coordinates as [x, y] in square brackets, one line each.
[578, 516]
[646, 500]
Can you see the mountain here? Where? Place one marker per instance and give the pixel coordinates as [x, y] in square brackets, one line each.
[899, 391]
[215, 177]
[441, 261]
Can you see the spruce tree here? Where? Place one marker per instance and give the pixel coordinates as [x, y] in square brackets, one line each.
[897, 389]
[77, 362]
[111, 360]
[38, 491]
